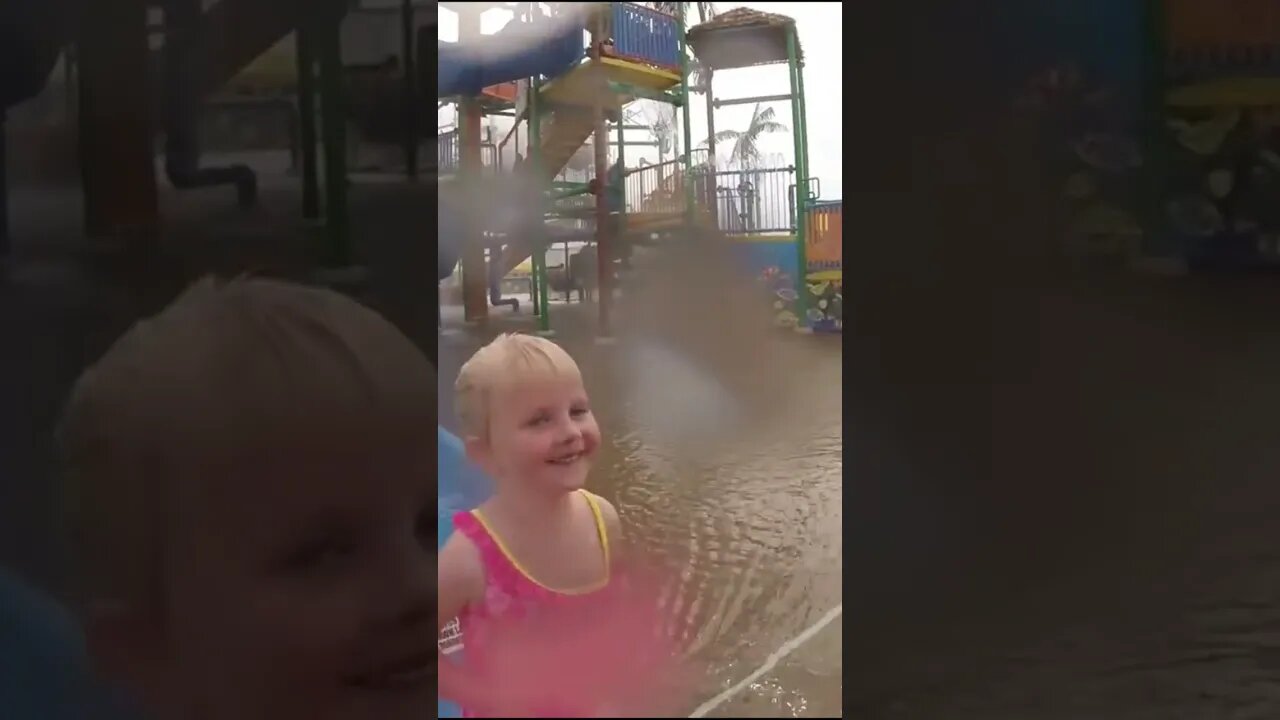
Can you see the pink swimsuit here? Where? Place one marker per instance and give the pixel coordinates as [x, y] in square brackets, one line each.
[510, 591]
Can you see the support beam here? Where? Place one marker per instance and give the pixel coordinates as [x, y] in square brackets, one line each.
[600, 150]
[802, 175]
[681, 24]
[334, 127]
[407, 66]
[304, 44]
[5, 244]
[752, 100]
[475, 294]
[117, 155]
[643, 93]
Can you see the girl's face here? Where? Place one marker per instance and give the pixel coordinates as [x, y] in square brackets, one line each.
[541, 433]
[297, 595]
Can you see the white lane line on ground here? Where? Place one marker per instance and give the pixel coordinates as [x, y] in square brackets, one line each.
[787, 648]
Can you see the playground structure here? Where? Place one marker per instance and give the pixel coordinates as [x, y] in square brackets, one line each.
[787, 237]
[1165, 137]
[196, 54]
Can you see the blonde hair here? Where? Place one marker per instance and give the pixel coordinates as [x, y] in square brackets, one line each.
[509, 358]
[233, 378]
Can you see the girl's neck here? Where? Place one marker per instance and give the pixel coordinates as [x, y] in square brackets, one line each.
[530, 508]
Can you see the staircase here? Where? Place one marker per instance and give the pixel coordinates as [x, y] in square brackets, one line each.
[236, 32]
[564, 131]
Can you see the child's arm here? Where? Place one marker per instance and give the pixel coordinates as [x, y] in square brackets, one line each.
[461, 582]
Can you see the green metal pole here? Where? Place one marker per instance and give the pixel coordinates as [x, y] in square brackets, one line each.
[622, 180]
[546, 289]
[334, 127]
[534, 166]
[804, 116]
[802, 181]
[409, 67]
[684, 113]
[535, 283]
[304, 40]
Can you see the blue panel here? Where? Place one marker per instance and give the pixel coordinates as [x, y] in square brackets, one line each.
[519, 50]
[757, 257]
[646, 35]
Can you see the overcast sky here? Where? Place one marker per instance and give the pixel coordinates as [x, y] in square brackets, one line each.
[819, 24]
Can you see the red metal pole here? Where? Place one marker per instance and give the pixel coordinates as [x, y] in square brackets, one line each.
[117, 156]
[600, 140]
[475, 301]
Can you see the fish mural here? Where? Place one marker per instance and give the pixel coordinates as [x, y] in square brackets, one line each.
[824, 307]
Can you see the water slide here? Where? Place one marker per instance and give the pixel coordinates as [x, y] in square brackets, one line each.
[549, 48]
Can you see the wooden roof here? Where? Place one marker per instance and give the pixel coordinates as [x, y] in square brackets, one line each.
[743, 37]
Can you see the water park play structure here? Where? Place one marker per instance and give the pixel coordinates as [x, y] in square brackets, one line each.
[540, 70]
[133, 78]
[1160, 122]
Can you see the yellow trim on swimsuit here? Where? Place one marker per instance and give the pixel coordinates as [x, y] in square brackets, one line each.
[601, 532]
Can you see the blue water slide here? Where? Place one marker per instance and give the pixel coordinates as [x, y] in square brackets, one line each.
[519, 50]
[548, 47]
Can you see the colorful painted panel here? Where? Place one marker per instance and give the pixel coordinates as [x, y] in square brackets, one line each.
[773, 264]
[1083, 94]
[1222, 185]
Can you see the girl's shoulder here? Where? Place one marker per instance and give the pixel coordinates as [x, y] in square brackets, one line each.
[606, 512]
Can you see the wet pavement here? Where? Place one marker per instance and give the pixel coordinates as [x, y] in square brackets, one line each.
[1066, 479]
[724, 462]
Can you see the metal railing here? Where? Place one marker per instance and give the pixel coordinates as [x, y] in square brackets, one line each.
[448, 150]
[645, 35]
[659, 188]
[755, 201]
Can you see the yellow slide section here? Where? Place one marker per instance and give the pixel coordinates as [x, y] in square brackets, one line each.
[573, 96]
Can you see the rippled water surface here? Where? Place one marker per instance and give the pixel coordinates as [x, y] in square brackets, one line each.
[725, 461]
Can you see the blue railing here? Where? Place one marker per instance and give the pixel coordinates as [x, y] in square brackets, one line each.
[646, 35]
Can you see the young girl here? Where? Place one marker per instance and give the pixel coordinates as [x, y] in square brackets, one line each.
[251, 477]
[531, 575]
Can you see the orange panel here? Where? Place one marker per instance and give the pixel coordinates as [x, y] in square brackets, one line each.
[824, 249]
[1223, 23]
[502, 91]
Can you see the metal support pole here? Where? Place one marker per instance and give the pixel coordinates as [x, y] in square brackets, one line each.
[475, 293]
[711, 121]
[117, 143]
[684, 113]
[535, 300]
[750, 100]
[534, 166]
[621, 223]
[334, 128]
[410, 89]
[802, 181]
[304, 41]
[6, 247]
[600, 148]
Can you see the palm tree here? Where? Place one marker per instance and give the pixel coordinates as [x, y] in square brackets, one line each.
[746, 143]
[699, 76]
